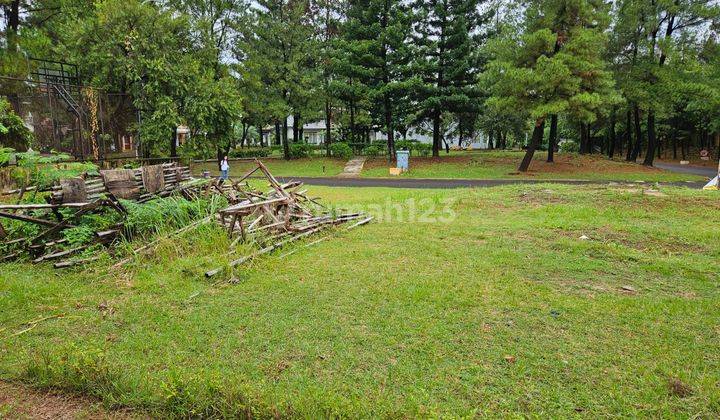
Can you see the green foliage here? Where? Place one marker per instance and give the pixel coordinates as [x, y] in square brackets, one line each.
[249, 153]
[447, 59]
[299, 150]
[569, 147]
[341, 150]
[6, 154]
[13, 132]
[371, 151]
[422, 149]
[78, 235]
[555, 67]
[45, 170]
[170, 213]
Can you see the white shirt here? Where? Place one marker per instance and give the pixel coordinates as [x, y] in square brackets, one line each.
[224, 165]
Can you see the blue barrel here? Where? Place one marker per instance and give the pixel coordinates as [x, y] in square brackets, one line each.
[403, 159]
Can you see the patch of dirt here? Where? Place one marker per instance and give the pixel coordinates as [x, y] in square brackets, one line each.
[20, 402]
[541, 197]
[645, 244]
[678, 388]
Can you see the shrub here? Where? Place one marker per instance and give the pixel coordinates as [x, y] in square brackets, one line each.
[299, 150]
[44, 170]
[249, 153]
[371, 151]
[568, 146]
[422, 149]
[341, 150]
[13, 132]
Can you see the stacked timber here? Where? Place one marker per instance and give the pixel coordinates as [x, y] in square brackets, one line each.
[279, 216]
[141, 184]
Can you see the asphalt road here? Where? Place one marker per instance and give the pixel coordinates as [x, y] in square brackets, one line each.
[687, 169]
[456, 183]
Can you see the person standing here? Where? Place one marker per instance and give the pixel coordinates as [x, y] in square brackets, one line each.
[224, 168]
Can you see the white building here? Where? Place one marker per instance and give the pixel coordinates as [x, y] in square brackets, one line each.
[314, 133]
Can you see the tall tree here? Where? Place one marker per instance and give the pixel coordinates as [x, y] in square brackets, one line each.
[448, 33]
[554, 67]
[279, 42]
[376, 54]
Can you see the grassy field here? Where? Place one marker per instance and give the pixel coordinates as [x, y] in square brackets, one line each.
[503, 165]
[318, 166]
[454, 303]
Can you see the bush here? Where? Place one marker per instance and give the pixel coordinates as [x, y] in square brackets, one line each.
[249, 153]
[13, 132]
[44, 170]
[422, 149]
[341, 150]
[371, 151]
[569, 147]
[299, 150]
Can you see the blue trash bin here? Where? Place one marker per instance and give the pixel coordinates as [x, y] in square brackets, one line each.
[403, 159]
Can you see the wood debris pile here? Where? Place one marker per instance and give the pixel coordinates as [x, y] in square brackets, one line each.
[73, 198]
[268, 219]
[277, 217]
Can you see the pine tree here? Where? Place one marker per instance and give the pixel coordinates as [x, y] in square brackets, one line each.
[280, 44]
[447, 59]
[554, 67]
[375, 55]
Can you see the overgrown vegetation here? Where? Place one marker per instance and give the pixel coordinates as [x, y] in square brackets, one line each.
[518, 316]
[13, 132]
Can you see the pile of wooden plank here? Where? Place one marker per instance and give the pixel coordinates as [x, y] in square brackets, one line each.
[141, 184]
[49, 244]
[274, 218]
[269, 219]
[87, 195]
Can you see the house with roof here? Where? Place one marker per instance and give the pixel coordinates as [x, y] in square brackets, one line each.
[314, 133]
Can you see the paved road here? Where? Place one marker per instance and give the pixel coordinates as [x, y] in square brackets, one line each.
[687, 169]
[453, 183]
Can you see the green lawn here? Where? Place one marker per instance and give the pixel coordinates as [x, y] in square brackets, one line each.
[318, 166]
[503, 165]
[495, 308]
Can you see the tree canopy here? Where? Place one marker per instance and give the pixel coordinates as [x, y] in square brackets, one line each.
[633, 75]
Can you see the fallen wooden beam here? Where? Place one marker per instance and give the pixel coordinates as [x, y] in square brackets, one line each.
[71, 263]
[30, 219]
[41, 206]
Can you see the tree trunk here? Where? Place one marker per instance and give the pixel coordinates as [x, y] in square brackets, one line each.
[552, 141]
[173, 143]
[278, 136]
[286, 146]
[328, 125]
[301, 130]
[389, 129]
[13, 23]
[295, 129]
[652, 140]
[535, 142]
[638, 135]
[613, 138]
[243, 139]
[436, 133]
[352, 122]
[674, 143]
[490, 140]
[628, 136]
[583, 138]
